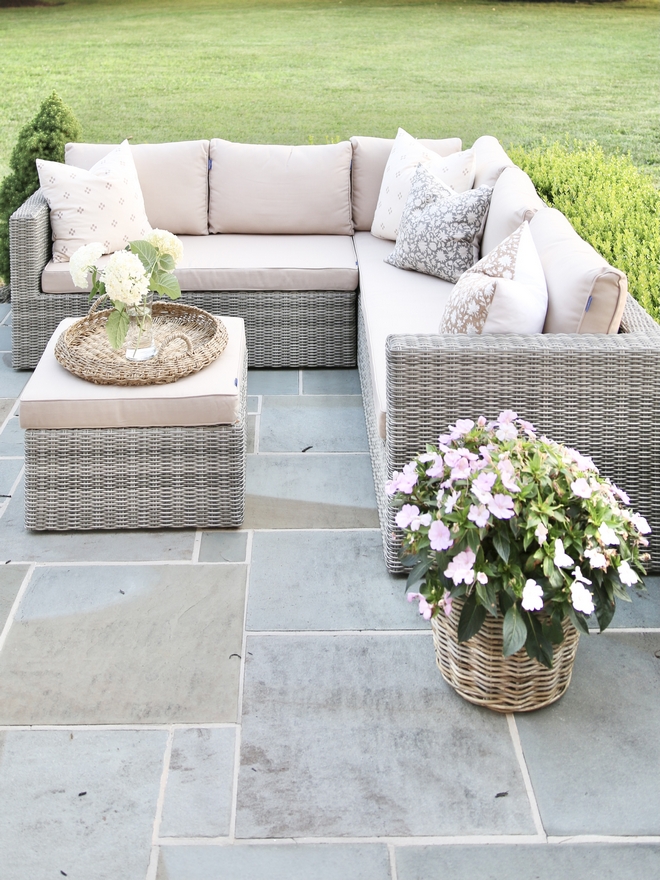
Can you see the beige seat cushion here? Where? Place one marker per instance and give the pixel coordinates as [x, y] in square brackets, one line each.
[173, 178]
[393, 301]
[514, 200]
[281, 190]
[491, 160]
[370, 155]
[250, 262]
[55, 398]
[585, 293]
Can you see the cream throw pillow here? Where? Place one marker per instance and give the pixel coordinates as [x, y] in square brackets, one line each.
[505, 292]
[456, 170]
[103, 204]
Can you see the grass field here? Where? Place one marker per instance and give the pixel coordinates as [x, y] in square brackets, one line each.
[301, 72]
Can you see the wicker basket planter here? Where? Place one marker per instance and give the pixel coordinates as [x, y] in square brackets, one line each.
[478, 672]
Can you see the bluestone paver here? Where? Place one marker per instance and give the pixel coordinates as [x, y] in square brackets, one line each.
[543, 862]
[594, 756]
[273, 382]
[125, 645]
[11, 578]
[11, 438]
[199, 785]
[310, 491]
[358, 735]
[643, 611]
[275, 862]
[312, 423]
[6, 403]
[9, 471]
[325, 580]
[12, 382]
[229, 546]
[79, 804]
[331, 382]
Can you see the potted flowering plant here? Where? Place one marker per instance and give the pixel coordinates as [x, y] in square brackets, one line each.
[129, 279]
[503, 528]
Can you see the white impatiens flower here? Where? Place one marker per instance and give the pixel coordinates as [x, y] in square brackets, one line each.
[640, 523]
[532, 597]
[596, 558]
[562, 559]
[627, 575]
[166, 243]
[581, 488]
[581, 598]
[125, 278]
[541, 533]
[607, 535]
[82, 261]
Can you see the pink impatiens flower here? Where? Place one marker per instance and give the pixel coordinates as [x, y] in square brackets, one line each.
[562, 559]
[446, 603]
[404, 481]
[501, 506]
[406, 515]
[627, 575]
[461, 427]
[482, 485]
[439, 536]
[596, 558]
[581, 598]
[425, 609]
[507, 416]
[507, 431]
[607, 535]
[581, 488]
[507, 475]
[460, 569]
[640, 523]
[479, 515]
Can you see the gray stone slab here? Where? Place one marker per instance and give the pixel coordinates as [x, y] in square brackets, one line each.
[253, 404]
[5, 338]
[121, 546]
[199, 784]
[359, 736]
[594, 757]
[643, 611]
[6, 403]
[223, 547]
[325, 580]
[11, 578]
[331, 382]
[251, 432]
[543, 862]
[12, 381]
[275, 862]
[9, 471]
[81, 651]
[322, 423]
[5, 310]
[272, 381]
[52, 829]
[11, 438]
[310, 491]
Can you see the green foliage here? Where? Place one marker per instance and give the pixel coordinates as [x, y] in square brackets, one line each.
[43, 138]
[611, 204]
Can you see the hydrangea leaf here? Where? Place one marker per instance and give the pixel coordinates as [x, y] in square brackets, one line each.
[117, 327]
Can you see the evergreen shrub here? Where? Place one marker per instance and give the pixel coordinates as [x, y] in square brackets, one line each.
[610, 202]
[44, 138]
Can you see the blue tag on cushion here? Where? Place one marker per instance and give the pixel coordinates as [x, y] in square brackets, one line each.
[586, 308]
[210, 163]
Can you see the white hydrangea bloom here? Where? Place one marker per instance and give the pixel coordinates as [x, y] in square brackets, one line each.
[166, 243]
[125, 278]
[83, 260]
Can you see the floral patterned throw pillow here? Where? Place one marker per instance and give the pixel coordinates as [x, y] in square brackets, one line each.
[440, 230]
[505, 292]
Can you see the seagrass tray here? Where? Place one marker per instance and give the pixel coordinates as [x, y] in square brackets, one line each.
[187, 339]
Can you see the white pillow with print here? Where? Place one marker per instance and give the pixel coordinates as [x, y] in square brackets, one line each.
[103, 204]
[456, 170]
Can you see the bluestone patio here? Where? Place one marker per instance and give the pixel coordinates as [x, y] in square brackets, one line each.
[263, 704]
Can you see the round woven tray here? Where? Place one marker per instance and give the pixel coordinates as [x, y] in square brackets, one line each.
[85, 351]
[477, 670]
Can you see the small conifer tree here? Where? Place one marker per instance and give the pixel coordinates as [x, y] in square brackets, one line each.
[43, 138]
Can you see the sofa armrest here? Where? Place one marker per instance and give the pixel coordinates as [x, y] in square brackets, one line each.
[30, 246]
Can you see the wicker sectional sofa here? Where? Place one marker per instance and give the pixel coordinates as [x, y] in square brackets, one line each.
[281, 237]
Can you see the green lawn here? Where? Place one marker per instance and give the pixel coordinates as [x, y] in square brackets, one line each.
[301, 72]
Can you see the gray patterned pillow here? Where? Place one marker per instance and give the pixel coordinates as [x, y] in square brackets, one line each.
[440, 230]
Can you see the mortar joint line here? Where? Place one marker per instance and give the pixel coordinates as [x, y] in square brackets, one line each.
[391, 851]
[155, 833]
[520, 755]
[10, 415]
[197, 545]
[15, 605]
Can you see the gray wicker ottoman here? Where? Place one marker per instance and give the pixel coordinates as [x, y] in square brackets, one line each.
[157, 456]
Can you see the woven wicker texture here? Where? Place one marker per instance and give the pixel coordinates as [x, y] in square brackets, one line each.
[478, 672]
[187, 339]
[136, 478]
[295, 329]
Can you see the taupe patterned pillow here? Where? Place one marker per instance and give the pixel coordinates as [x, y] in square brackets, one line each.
[505, 292]
[440, 230]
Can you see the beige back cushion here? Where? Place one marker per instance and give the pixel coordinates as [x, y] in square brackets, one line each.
[585, 293]
[370, 155]
[514, 200]
[272, 189]
[173, 178]
[491, 160]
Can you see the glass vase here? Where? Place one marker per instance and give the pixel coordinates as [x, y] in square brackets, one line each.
[140, 345]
